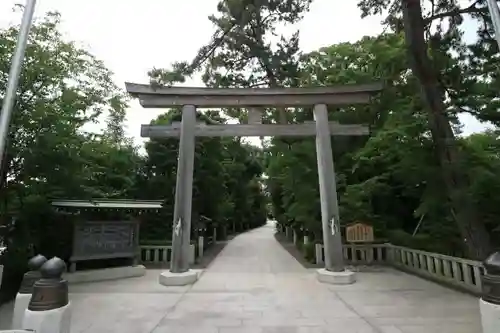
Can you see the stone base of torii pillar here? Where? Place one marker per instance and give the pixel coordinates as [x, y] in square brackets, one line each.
[344, 277]
[167, 278]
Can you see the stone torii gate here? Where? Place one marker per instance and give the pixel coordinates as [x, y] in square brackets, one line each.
[253, 99]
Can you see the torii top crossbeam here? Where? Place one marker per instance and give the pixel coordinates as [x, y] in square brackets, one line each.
[165, 97]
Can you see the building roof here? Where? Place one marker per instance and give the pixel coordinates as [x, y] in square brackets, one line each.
[109, 203]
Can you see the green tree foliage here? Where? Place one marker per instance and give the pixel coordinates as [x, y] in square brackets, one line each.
[226, 185]
[413, 178]
[439, 57]
[243, 53]
[49, 155]
[391, 179]
[413, 170]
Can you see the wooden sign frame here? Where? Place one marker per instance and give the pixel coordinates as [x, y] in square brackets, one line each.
[359, 232]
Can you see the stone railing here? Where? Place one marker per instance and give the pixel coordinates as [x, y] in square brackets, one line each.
[365, 254]
[462, 273]
[457, 272]
[160, 254]
[2, 249]
[204, 243]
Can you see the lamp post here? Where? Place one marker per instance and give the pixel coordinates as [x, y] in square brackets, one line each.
[14, 73]
[495, 18]
[489, 303]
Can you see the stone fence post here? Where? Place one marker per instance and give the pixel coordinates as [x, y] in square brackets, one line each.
[319, 254]
[192, 254]
[49, 310]
[200, 246]
[489, 304]
[389, 254]
[23, 296]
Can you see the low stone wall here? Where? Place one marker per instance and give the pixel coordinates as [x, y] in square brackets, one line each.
[452, 271]
[458, 272]
[2, 249]
[203, 244]
[105, 274]
[354, 254]
[160, 254]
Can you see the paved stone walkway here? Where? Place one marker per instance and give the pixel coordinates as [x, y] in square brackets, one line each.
[254, 285]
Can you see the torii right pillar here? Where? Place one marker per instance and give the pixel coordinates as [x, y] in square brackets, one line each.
[334, 271]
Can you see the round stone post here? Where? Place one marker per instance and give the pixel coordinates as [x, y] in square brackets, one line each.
[334, 271]
[489, 304]
[179, 273]
[24, 294]
[49, 310]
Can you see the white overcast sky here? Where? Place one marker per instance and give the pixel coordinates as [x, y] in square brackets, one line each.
[133, 36]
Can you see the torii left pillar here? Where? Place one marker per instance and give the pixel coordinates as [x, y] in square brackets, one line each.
[334, 271]
[179, 273]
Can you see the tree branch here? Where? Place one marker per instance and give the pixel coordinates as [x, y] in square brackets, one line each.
[204, 54]
[472, 9]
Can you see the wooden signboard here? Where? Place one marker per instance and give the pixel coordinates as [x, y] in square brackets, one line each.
[104, 240]
[359, 233]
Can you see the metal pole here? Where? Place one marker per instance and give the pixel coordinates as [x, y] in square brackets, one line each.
[15, 72]
[489, 304]
[495, 18]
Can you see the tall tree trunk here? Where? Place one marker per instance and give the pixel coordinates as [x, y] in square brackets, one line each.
[267, 67]
[472, 229]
